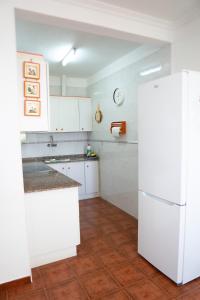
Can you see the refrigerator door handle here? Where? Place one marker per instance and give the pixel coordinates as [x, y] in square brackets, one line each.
[161, 199]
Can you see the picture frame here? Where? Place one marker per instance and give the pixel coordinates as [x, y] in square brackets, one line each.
[31, 89]
[31, 70]
[32, 108]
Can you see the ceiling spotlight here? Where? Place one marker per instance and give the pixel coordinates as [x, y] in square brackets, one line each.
[150, 71]
[70, 56]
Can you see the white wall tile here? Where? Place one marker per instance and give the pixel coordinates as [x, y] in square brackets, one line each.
[55, 87]
[118, 162]
[67, 143]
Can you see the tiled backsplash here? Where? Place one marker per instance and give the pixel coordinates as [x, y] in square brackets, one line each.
[67, 143]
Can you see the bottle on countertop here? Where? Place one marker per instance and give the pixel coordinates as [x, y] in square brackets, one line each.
[88, 150]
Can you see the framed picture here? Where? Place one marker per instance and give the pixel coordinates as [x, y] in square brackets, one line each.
[31, 70]
[31, 89]
[32, 108]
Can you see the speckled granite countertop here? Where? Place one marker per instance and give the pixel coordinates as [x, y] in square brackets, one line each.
[60, 158]
[38, 176]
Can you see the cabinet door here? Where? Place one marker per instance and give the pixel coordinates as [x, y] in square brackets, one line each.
[60, 167]
[91, 177]
[69, 115]
[85, 114]
[75, 170]
[55, 114]
[64, 114]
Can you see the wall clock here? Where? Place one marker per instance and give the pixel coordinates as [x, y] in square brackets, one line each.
[118, 96]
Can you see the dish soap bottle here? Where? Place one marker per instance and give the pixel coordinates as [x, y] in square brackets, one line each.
[88, 150]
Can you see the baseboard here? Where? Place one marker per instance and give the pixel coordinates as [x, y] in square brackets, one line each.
[17, 282]
[50, 257]
[89, 196]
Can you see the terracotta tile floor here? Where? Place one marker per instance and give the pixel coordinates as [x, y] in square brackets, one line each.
[107, 265]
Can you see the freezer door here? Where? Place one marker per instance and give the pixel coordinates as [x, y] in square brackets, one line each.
[161, 235]
[160, 133]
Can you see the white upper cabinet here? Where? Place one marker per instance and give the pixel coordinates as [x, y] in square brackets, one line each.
[32, 91]
[70, 114]
[85, 112]
[54, 111]
[64, 114]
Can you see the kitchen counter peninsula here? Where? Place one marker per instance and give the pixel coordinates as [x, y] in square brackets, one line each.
[38, 176]
[52, 213]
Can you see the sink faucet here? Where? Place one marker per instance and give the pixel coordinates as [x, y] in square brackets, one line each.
[51, 144]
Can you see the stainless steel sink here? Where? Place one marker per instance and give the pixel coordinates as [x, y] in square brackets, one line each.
[47, 171]
[56, 160]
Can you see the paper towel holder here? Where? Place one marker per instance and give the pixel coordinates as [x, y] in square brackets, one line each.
[121, 124]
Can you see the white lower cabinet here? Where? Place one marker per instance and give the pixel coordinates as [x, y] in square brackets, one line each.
[75, 170]
[60, 167]
[84, 172]
[91, 177]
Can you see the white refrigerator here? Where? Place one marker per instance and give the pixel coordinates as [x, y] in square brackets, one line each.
[169, 175]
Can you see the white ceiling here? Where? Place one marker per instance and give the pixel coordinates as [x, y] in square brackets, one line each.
[171, 10]
[94, 52]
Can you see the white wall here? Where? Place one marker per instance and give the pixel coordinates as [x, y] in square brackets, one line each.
[186, 47]
[118, 161]
[39, 123]
[67, 143]
[67, 86]
[14, 260]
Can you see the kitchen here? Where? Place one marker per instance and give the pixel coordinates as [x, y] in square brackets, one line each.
[69, 117]
[121, 153]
